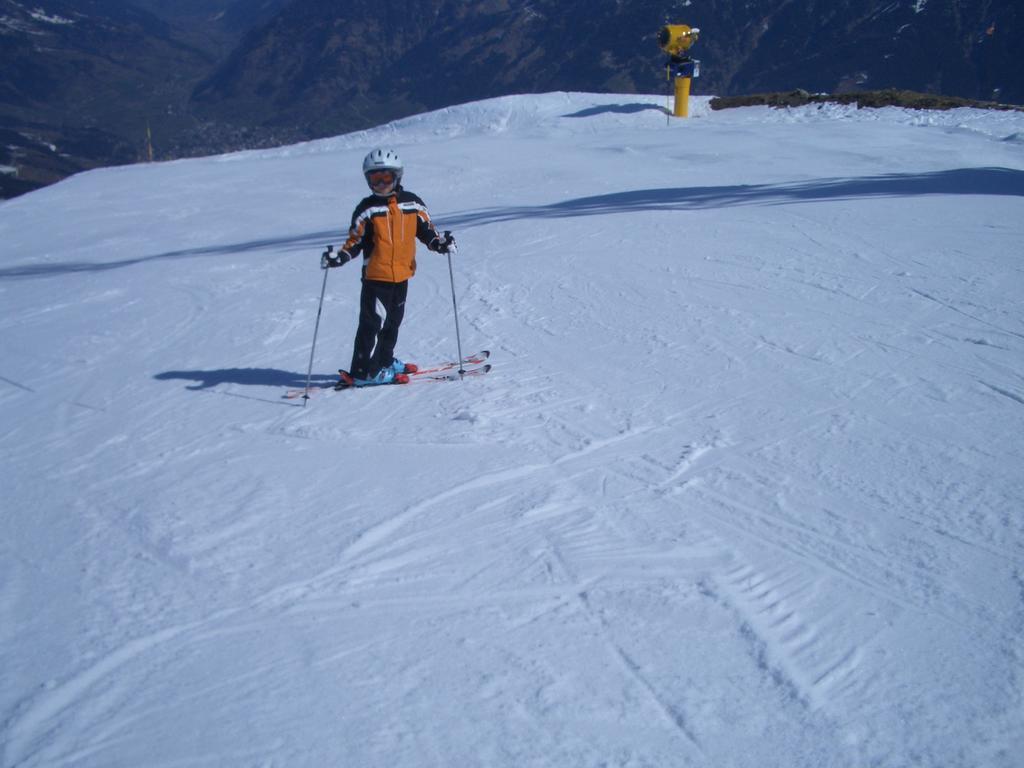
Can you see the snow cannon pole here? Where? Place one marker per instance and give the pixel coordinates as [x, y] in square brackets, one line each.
[316, 330]
[455, 307]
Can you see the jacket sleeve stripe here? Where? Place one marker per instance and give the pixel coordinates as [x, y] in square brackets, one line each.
[357, 234]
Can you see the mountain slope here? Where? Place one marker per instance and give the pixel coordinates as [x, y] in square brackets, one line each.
[319, 67]
[743, 488]
[227, 20]
[82, 79]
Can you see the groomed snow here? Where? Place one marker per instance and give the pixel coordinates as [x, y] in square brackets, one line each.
[744, 488]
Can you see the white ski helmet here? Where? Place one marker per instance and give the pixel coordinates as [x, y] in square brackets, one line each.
[383, 160]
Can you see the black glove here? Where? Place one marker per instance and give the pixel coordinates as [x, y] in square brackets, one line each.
[444, 243]
[332, 259]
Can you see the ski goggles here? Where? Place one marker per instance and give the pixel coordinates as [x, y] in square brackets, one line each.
[380, 177]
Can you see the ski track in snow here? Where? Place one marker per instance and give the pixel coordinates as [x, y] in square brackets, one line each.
[742, 489]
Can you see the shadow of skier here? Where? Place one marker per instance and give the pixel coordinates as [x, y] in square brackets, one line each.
[251, 377]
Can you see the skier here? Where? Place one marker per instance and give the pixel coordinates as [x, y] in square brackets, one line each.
[383, 229]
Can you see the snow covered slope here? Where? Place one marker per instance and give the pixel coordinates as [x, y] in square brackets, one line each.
[744, 488]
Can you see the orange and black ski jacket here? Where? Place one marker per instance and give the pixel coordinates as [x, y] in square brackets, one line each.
[384, 230]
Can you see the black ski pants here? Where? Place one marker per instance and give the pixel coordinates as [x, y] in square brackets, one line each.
[381, 309]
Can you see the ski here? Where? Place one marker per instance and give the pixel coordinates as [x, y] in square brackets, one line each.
[400, 378]
[453, 375]
[475, 358]
[407, 378]
[433, 372]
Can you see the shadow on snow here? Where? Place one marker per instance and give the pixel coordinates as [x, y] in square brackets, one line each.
[256, 377]
[618, 109]
[959, 181]
[277, 244]
[962, 181]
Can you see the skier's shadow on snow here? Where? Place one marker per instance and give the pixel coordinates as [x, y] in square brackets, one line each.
[254, 377]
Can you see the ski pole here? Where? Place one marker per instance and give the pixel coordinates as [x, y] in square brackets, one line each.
[316, 330]
[455, 306]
